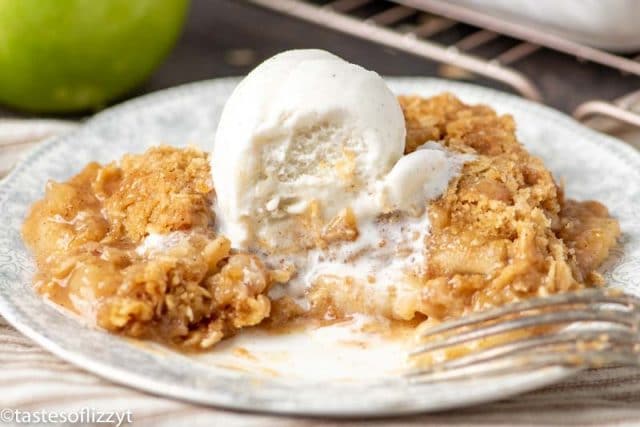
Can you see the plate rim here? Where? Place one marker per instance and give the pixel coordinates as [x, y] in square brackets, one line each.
[14, 316]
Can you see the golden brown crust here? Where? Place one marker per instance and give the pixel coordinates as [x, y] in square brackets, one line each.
[164, 190]
[85, 232]
[502, 231]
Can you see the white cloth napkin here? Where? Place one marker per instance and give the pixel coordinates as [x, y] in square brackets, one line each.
[18, 136]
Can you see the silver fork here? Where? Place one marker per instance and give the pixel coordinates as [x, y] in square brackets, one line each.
[586, 329]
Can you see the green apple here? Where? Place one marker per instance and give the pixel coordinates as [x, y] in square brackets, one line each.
[71, 55]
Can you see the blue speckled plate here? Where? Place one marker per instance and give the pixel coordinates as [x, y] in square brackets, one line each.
[594, 165]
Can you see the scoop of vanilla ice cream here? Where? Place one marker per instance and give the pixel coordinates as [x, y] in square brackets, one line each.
[304, 126]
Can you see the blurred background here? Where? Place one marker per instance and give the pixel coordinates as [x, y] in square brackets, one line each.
[229, 37]
[584, 61]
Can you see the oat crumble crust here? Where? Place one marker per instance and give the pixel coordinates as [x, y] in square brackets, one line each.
[501, 232]
[85, 231]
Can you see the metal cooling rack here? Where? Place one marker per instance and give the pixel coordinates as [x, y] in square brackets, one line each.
[411, 25]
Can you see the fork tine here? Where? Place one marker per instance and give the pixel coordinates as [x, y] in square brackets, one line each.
[591, 296]
[575, 339]
[519, 363]
[528, 321]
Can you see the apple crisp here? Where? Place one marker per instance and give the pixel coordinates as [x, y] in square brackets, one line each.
[93, 241]
[131, 246]
[503, 230]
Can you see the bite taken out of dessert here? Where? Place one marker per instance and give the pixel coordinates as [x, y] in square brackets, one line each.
[321, 196]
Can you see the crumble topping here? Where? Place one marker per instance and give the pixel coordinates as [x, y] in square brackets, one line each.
[503, 230]
[87, 234]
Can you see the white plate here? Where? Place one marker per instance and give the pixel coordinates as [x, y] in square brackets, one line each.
[594, 165]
